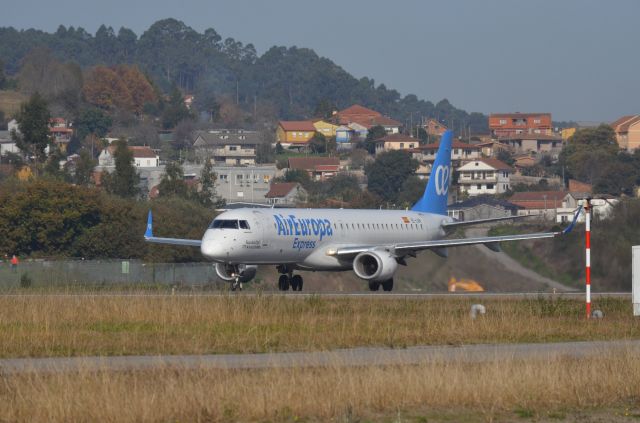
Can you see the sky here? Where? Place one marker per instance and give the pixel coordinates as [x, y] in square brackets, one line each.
[577, 59]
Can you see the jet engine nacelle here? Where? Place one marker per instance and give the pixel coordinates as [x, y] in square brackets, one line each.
[229, 272]
[375, 266]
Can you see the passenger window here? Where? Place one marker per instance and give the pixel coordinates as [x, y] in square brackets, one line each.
[244, 224]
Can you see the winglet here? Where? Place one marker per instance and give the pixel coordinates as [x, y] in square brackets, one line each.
[149, 231]
[573, 223]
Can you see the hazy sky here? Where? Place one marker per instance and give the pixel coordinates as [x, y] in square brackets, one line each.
[578, 59]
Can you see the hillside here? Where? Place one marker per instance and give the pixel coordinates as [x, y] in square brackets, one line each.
[285, 82]
[563, 258]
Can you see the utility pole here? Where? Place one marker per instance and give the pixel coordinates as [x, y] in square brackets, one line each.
[587, 231]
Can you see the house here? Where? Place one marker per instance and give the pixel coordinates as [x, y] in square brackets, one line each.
[7, 145]
[188, 101]
[294, 133]
[358, 131]
[511, 124]
[366, 118]
[460, 152]
[538, 143]
[433, 127]
[61, 131]
[395, 142]
[344, 134]
[318, 168]
[492, 148]
[627, 130]
[327, 129]
[484, 176]
[524, 160]
[249, 184]
[232, 147]
[286, 193]
[143, 156]
[482, 207]
[539, 203]
[601, 207]
[567, 133]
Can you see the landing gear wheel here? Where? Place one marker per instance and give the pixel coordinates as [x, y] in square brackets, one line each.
[283, 283]
[296, 283]
[387, 285]
[374, 286]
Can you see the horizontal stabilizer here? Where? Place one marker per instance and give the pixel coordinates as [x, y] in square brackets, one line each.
[148, 236]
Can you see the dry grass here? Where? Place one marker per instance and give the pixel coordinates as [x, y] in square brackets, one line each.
[116, 325]
[10, 102]
[548, 389]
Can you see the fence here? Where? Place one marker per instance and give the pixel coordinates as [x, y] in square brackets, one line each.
[102, 272]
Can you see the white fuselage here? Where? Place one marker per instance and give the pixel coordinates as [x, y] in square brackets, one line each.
[304, 238]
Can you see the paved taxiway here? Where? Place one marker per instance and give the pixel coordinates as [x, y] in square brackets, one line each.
[472, 354]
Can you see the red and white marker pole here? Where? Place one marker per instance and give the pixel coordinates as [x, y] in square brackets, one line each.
[587, 222]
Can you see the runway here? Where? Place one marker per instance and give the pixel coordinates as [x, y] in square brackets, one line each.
[335, 295]
[465, 354]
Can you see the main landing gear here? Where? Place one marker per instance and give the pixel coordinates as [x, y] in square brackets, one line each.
[386, 285]
[236, 285]
[288, 279]
[293, 281]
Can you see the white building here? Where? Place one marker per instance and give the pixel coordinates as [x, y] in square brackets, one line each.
[484, 176]
[142, 157]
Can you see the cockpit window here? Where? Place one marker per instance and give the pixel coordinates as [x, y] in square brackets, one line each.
[224, 224]
[244, 224]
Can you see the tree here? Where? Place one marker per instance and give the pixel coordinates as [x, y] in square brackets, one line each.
[207, 194]
[172, 183]
[124, 181]
[92, 121]
[33, 120]
[318, 143]
[182, 134]
[105, 89]
[52, 167]
[374, 134]
[139, 87]
[3, 77]
[505, 156]
[84, 168]
[175, 110]
[411, 191]
[590, 153]
[388, 173]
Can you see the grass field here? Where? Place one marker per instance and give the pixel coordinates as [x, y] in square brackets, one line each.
[38, 326]
[10, 102]
[605, 389]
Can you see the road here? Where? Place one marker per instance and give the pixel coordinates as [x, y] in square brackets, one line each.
[347, 357]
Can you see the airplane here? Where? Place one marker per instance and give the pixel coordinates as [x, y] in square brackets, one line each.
[371, 243]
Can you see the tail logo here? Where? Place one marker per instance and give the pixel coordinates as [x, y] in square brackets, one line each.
[442, 180]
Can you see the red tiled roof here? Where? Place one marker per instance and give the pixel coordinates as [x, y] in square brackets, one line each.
[625, 126]
[398, 138]
[369, 122]
[312, 163]
[280, 189]
[297, 125]
[143, 152]
[357, 109]
[536, 199]
[61, 130]
[517, 115]
[620, 121]
[496, 164]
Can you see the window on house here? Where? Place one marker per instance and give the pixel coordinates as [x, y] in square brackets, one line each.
[489, 186]
[401, 145]
[536, 121]
[266, 178]
[503, 121]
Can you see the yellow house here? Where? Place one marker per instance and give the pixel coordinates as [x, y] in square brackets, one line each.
[294, 132]
[325, 128]
[567, 133]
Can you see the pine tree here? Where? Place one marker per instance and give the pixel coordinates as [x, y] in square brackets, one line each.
[124, 180]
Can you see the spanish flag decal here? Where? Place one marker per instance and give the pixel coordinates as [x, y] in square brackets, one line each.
[405, 219]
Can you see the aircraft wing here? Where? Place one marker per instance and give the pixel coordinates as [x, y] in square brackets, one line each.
[455, 224]
[148, 236]
[489, 241]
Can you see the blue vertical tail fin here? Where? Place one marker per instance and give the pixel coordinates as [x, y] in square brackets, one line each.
[434, 199]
